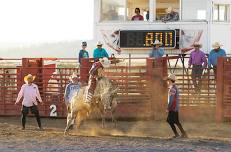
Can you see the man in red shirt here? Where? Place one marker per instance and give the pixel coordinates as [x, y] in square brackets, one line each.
[96, 72]
[173, 107]
[137, 17]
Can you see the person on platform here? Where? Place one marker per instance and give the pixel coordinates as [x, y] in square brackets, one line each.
[198, 62]
[171, 15]
[214, 54]
[83, 53]
[157, 51]
[100, 52]
[137, 17]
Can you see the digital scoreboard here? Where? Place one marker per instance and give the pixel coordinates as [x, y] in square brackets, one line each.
[144, 38]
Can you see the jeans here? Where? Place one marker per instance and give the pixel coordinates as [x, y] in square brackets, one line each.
[197, 71]
[25, 111]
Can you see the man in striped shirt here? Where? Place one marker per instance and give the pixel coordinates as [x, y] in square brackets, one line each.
[173, 107]
[96, 72]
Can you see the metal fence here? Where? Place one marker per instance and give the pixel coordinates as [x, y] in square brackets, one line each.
[134, 77]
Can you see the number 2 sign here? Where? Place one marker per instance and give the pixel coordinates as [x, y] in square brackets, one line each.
[53, 111]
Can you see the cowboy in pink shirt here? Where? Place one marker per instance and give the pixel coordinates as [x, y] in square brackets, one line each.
[29, 91]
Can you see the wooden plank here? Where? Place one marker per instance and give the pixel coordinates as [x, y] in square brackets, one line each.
[219, 90]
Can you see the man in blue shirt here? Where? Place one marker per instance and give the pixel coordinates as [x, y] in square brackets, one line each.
[71, 89]
[99, 52]
[83, 52]
[157, 52]
[214, 55]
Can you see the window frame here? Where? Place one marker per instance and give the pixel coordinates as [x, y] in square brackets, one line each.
[152, 16]
[179, 12]
[227, 14]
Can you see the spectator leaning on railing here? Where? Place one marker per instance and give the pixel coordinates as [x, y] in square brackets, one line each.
[99, 52]
[198, 62]
[157, 51]
[214, 54]
[83, 52]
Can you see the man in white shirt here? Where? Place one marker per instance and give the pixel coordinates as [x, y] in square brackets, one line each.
[29, 91]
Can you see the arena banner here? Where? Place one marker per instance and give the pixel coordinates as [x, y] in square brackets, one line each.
[188, 38]
[176, 39]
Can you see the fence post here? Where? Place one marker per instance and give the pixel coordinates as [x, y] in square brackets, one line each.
[157, 70]
[219, 90]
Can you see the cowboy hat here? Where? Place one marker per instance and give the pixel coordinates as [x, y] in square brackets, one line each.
[73, 76]
[157, 42]
[169, 9]
[29, 76]
[197, 44]
[99, 43]
[171, 77]
[216, 45]
[105, 62]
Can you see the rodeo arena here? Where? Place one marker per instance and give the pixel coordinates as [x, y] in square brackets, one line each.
[156, 77]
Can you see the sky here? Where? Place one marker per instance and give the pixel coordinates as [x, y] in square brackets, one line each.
[44, 21]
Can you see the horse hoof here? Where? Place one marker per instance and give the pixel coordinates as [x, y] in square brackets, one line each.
[65, 132]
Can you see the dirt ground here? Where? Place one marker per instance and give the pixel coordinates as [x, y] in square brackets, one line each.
[128, 136]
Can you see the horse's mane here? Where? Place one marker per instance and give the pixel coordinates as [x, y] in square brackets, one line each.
[104, 85]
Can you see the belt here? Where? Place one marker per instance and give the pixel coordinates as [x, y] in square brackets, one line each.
[196, 65]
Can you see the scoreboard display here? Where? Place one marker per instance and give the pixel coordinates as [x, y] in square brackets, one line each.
[144, 38]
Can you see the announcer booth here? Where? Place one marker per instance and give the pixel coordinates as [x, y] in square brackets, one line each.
[206, 22]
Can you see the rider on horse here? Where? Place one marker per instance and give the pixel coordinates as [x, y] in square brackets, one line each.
[96, 72]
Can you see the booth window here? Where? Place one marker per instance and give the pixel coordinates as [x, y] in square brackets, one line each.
[143, 5]
[123, 10]
[163, 5]
[112, 10]
[220, 12]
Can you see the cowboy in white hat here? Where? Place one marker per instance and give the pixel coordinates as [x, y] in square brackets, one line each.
[29, 91]
[173, 107]
[197, 45]
[171, 77]
[157, 51]
[214, 54]
[99, 52]
[171, 15]
[96, 72]
[71, 89]
[198, 62]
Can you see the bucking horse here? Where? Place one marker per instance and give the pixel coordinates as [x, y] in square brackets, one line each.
[104, 101]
